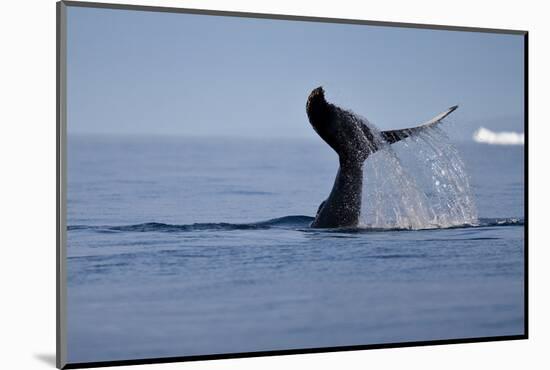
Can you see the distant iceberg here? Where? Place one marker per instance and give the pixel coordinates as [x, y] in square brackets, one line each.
[486, 136]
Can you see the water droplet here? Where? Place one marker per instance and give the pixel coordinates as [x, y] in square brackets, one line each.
[401, 187]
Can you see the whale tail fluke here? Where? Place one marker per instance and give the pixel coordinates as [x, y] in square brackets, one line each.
[354, 139]
[342, 130]
[393, 136]
[350, 136]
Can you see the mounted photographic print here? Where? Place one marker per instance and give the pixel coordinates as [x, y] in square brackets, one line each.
[237, 184]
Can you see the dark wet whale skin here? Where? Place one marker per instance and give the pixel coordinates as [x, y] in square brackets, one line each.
[350, 139]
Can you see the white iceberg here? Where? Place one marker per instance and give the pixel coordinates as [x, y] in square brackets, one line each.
[486, 136]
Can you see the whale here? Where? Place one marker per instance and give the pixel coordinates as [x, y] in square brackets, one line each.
[353, 141]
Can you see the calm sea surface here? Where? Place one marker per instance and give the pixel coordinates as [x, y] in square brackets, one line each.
[186, 246]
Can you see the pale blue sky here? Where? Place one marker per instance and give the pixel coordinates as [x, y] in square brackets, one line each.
[180, 74]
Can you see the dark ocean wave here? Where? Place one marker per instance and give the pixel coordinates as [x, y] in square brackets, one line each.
[482, 223]
[288, 222]
[489, 222]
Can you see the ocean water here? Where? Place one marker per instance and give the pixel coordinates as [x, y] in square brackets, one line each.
[190, 246]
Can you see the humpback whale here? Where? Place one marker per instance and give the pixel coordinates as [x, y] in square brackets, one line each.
[353, 141]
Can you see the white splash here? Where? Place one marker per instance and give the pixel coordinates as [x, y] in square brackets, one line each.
[483, 135]
[418, 183]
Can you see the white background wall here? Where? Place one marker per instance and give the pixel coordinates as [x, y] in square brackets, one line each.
[27, 193]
